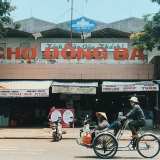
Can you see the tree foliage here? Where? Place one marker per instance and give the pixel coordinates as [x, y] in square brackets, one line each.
[157, 1]
[5, 17]
[150, 37]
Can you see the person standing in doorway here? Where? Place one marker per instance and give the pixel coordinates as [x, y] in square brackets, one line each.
[136, 113]
[37, 115]
[49, 115]
[50, 112]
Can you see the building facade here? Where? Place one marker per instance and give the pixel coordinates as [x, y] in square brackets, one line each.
[97, 73]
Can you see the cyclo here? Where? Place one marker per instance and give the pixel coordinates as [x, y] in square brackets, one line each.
[106, 142]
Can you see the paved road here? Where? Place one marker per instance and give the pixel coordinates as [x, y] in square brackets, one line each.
[66, 149]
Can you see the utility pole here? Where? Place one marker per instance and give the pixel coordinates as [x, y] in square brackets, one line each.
[83, 36]
[72, 17]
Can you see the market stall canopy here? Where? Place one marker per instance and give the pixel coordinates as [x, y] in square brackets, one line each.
[74, 87]
[24, 88]
[110, 86]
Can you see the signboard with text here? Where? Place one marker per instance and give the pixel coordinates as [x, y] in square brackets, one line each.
[73, 90]
[24, 93]
[121, 88]
[108, 46]
[83, 24]
[76, 53]
[67, 117]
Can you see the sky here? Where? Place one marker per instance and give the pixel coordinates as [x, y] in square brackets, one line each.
[57, 11]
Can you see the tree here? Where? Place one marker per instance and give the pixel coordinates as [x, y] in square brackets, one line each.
[5, 18]
[157, 1]
[150, 37]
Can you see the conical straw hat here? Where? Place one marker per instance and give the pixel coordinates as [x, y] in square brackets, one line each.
[102, 113]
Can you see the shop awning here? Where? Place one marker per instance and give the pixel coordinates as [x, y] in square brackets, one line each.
[25, 88]
[110, 86]
[156, 81]
[74, 87]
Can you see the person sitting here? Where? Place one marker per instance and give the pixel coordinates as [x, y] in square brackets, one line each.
[102, 124]
[136, 113]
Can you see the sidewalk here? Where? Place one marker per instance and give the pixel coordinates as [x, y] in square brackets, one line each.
[46, 133]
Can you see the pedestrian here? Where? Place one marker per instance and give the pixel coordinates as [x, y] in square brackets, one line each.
[37, 115]
[49, 115]
[43, 116]
[136, 113]
[50, 112]
[102, 124]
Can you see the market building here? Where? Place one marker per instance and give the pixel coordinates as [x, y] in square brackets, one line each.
[93, 68]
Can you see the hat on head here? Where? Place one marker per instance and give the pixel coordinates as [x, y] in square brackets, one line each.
[134, 99]
[101, 113]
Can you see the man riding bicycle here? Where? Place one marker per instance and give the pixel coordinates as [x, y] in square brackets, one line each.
[136, 113]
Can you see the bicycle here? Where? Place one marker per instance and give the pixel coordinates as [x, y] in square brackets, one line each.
[106, 143]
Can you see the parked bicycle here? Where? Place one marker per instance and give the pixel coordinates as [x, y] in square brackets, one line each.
[106, 143]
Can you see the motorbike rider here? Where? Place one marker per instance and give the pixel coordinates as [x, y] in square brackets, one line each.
[102, 124]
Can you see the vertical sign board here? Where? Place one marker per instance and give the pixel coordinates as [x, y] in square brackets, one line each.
[67, 117]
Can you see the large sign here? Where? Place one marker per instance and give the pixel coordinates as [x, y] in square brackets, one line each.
[52, 53]
[83, 25]
[84, 46]
[67, 117]
[73, 90]
[24, 93]
[130, 88]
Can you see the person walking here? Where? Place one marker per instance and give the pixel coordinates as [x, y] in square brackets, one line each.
[137, 114]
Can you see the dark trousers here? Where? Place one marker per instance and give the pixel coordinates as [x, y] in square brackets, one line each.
[93, 136]
[134, 126]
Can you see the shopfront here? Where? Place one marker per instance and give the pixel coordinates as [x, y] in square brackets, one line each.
[146, 91]
[78, 96]
[111, 97]
[21, 102]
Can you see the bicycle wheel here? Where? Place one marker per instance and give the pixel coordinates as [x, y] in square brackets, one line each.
[148, 145]
[105, 145]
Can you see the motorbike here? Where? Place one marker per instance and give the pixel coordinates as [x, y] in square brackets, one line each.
[57, 129]
[85, 136]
